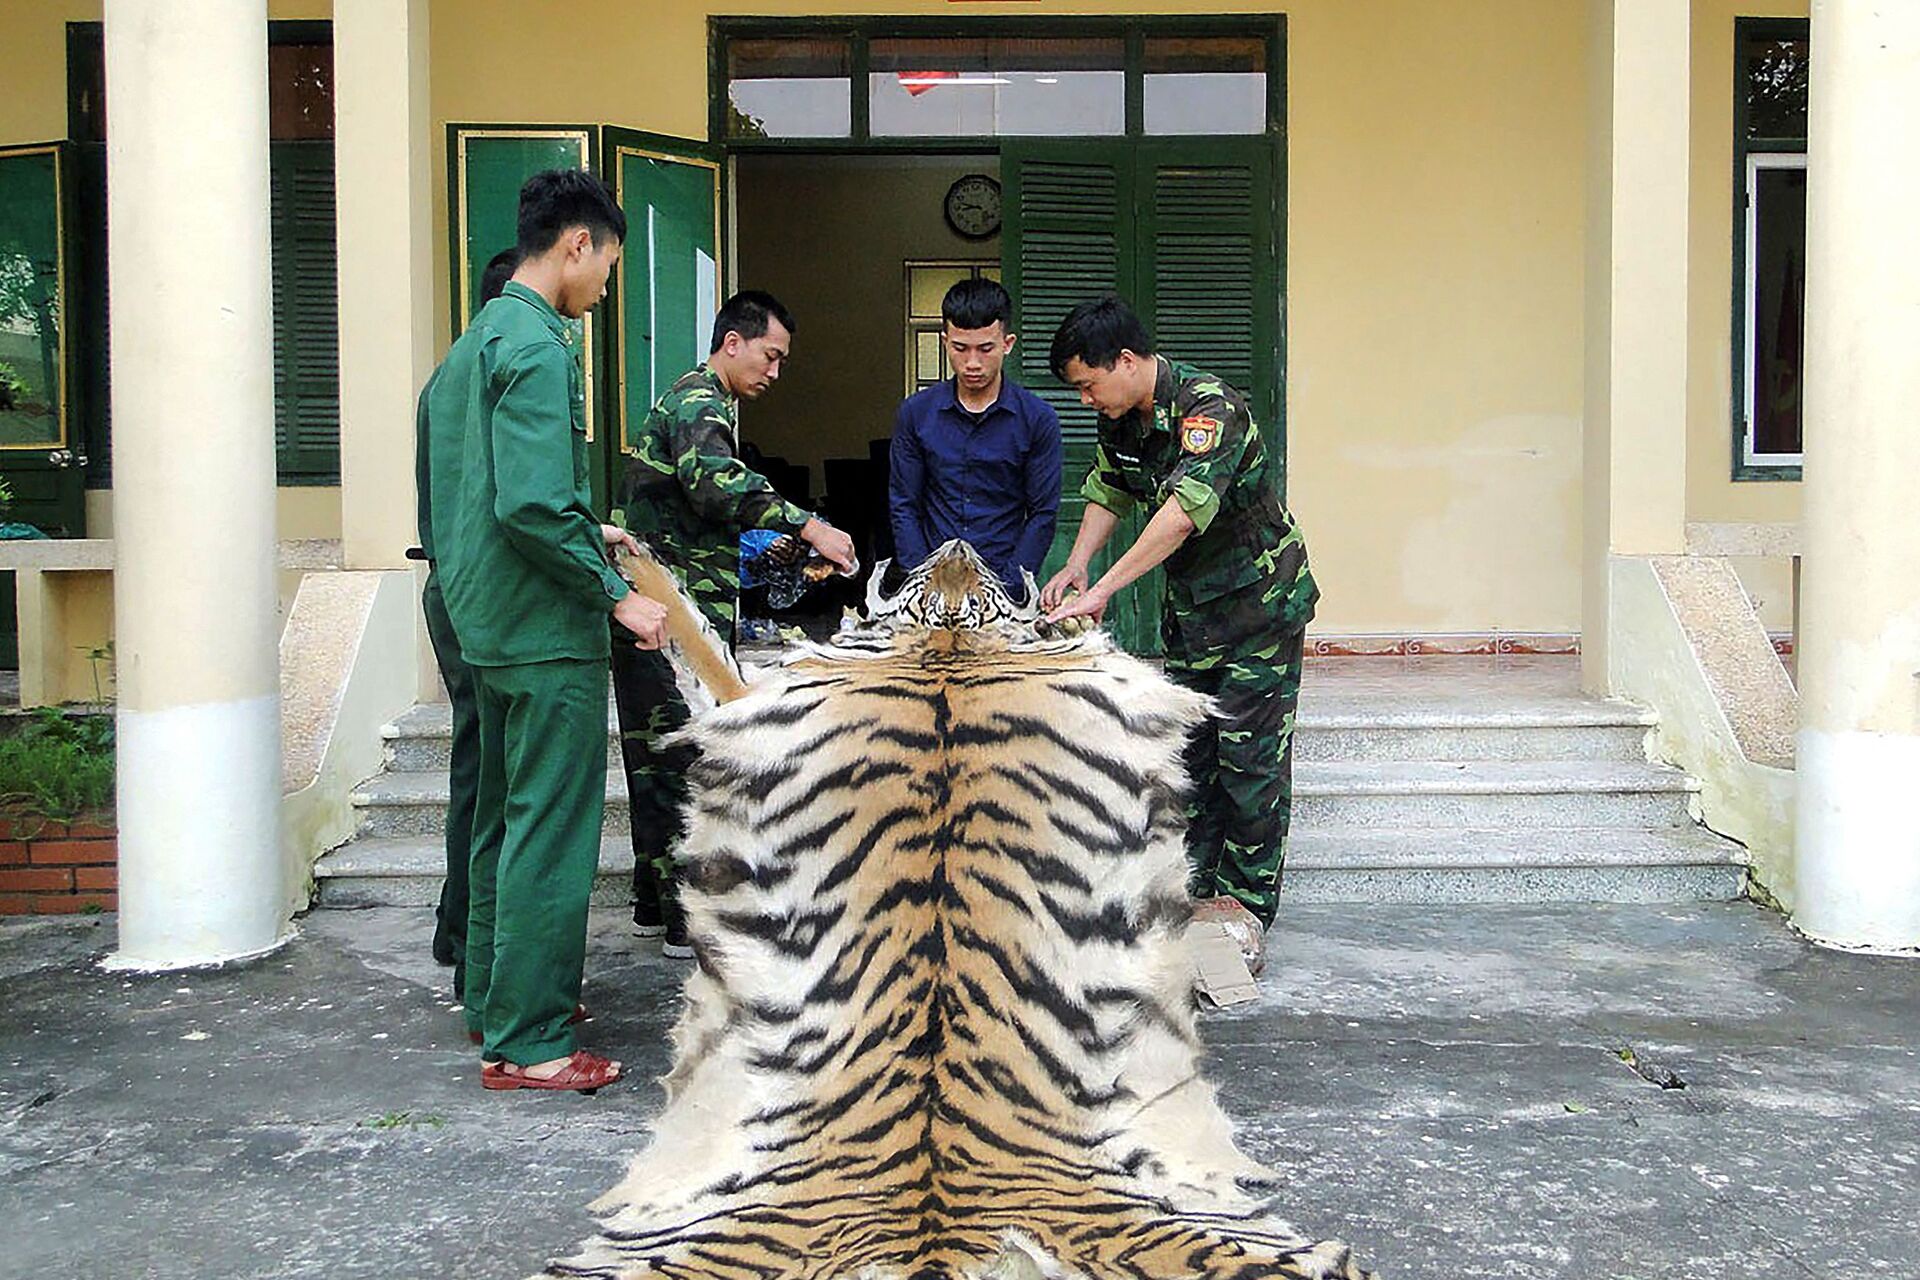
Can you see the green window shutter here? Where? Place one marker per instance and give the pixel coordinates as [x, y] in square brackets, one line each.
[306, 324]
[1069, 234]
[1208, 266]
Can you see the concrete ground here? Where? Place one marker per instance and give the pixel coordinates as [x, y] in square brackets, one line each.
[1449, 1089]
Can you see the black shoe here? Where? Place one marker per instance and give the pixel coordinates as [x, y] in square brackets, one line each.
[647, 920]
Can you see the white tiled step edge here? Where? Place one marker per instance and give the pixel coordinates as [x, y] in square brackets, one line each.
[405, 871]
[1407, 864]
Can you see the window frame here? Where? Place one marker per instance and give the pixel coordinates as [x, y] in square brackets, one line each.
[1747, 466]
[861, 32]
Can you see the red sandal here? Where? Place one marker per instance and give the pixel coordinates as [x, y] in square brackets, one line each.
[580, 1015]
[584, 1073]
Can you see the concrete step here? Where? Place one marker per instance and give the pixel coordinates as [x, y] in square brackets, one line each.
[1451, 865]
[1490, 794]
[1473, 794]
[1333, 864]
[1332, 728]
[415, 804]
[406, 871]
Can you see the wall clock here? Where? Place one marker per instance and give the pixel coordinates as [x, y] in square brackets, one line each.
[973, 207]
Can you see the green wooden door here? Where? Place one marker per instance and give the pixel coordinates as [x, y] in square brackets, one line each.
[1184, 229]
[1068, 234]
[39, 421]
[487, 165]
[666, 289]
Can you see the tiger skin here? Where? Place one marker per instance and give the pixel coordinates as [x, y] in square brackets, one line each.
[942, 1024]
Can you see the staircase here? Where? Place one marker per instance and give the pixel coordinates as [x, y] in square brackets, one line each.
[1431, 781]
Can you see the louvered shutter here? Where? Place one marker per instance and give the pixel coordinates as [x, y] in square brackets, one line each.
[306, 316]
[1069, 235]
[1209, 284]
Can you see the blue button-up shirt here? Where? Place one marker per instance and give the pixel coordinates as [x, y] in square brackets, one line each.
[994, 482]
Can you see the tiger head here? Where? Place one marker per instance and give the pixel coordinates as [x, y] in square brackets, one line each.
[952, 590]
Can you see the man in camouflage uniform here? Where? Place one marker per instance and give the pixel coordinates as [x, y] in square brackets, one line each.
[688, 496]
[1239, 594]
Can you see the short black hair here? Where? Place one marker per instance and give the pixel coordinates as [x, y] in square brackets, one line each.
[500, 269]
[747, 313]
[1096, 332]
[977, 304]
[556, 199]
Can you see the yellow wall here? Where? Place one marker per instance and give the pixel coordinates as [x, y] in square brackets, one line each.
[828, 236]
[1712, 493]
[1434, 238]
[1435, 228]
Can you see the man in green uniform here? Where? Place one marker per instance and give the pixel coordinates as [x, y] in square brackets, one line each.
[528, 588]
[688, 496]
[463, 754]
[1239, 594]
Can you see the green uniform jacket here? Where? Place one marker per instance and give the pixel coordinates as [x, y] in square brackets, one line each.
[687, 495]
[1245, 562]
[508, 514]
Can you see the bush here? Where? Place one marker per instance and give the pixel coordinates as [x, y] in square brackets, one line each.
[57, 766]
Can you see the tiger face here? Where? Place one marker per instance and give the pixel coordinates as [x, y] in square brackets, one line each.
[952, 590]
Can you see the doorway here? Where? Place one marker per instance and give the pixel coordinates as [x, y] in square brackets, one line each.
[1142, 155]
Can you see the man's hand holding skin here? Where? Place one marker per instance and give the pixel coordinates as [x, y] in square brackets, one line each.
[829, 542]
[1067, 582]
[619, 539]
[645, 617]
[1163, 535]
[1090, 603]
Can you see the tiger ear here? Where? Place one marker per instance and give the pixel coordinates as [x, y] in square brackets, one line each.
[879, 604]
[1027, 608]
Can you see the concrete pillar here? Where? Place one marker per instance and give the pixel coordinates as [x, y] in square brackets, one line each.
[194, 589]
[384, 204]
[1635, 437]
[1858, 816]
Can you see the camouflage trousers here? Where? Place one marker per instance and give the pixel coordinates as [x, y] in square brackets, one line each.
[649, 707]
[1241, 764]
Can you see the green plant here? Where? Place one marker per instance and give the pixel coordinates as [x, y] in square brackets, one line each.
[58, 766]
[13, 387]
[96, 656]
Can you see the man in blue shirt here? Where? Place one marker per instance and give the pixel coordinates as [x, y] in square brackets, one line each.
[977, 457]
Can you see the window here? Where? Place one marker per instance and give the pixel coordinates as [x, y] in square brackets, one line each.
[791, 88]
[1770, 246]
[961, 83]
[997, 87]
[1205, 84]
[927, 284]
[1776, 290]
[306, 361]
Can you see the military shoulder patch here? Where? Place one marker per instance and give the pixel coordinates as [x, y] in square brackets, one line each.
[1199, 434]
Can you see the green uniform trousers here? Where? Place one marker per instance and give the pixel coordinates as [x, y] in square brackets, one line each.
[649, 706]
[1241, 765]
[450, 917]
[536, 843]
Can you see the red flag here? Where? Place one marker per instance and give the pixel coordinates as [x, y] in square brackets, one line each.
[918, 82]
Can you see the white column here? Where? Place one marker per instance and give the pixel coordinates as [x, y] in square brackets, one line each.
[1635, 416]
[194, 582]
[384, 206]
[1857, 847]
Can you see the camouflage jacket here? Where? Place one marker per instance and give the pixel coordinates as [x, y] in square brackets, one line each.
[687, 495]
[1244, 567]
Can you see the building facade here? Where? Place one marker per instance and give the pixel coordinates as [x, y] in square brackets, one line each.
[1522, 287]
